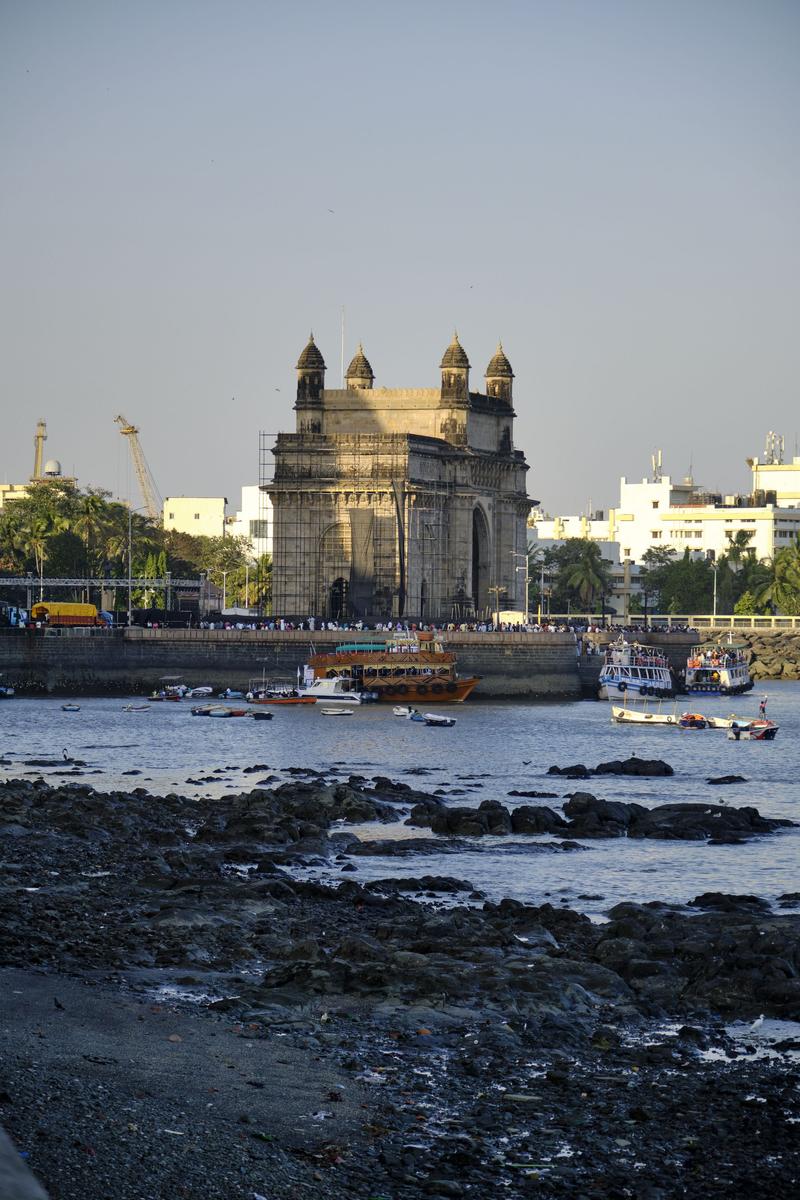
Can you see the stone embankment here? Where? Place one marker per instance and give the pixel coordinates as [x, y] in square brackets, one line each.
[72, 662]
[771, 654]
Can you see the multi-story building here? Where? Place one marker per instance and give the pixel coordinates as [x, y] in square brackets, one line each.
[202, 516]
[680, 515]
[254, 520]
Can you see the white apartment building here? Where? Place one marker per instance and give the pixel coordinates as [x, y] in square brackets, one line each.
[661, 511]
[202, 516]
[254, 520]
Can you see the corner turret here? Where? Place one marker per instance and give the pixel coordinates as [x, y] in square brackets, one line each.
[455, 372]
[360, 375]
[499, 376]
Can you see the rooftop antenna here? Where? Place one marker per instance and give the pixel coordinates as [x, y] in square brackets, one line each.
[773, 449]
[655, 460]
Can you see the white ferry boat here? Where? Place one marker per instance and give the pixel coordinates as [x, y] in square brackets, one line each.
[718, 671]
[632, 670]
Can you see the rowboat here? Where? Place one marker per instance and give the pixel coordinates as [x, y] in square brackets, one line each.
[635, 716]
[70, 708]
[337, 712]
[217, 710]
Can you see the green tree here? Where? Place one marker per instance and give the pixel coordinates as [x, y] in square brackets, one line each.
[589, 574]
[781, 590]
[745, 606]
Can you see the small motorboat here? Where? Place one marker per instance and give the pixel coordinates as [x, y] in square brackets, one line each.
[336, 712]
[403, 710]
[434, 719]
[260, 716]
[689, 720]
[6, 691]
[753, 731]
[276, 691]
[135, 707]
[70, 708]
[727, 722]
[230, 694]
[197, 693]
[217, 710]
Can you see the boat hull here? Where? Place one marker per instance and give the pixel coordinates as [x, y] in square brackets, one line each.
[453, 691]
[631, 716]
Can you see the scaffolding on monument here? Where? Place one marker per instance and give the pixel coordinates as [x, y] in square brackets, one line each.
[306, 549]
[429, 548]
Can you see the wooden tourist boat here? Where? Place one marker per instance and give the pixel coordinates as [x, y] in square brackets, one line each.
[720, 670]
[404, 668]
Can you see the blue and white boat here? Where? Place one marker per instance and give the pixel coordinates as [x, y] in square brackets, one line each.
[632, 670]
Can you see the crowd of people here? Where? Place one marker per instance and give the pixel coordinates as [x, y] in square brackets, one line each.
[544, 625]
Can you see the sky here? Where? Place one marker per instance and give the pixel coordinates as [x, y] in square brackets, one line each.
[188, 188]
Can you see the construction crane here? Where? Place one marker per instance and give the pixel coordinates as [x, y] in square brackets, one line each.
[147, 485]
[40, 437]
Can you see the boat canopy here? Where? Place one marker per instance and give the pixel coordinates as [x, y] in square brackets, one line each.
[359, 647]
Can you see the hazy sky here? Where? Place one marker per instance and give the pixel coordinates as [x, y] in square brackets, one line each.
[610, 187]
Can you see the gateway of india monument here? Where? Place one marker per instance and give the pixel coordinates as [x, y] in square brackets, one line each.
[399, 503]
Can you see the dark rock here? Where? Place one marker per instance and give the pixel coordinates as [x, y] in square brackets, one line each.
[724, 902]
[535, 795]
[727, 779]
[531, 819]
[578, 771]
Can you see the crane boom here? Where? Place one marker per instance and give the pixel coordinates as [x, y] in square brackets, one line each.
[147, 485]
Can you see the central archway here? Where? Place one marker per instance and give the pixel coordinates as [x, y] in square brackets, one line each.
[480, 561]
[338, 600]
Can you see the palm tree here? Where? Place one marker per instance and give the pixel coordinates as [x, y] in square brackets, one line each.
[781, 591]
[589, 573]
[88, 524]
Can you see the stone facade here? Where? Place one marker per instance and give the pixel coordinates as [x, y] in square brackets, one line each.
[402, 503]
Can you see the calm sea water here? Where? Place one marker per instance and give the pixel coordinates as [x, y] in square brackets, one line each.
[493, 748]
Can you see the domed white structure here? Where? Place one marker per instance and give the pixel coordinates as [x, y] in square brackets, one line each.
[52, 467]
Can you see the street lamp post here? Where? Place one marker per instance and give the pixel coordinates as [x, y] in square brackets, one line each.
[131, 511]
[516, 554]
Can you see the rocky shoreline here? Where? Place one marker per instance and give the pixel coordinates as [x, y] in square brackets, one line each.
[192, 1019]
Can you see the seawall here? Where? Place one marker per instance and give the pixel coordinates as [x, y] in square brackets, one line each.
[510, 664]
[134, 661]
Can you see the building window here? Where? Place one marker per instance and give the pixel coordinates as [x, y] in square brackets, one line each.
[698, 533]
[655, 503]
[171, 516]
[197, 516]
[627, 552]
[259, 529]
[655, 534]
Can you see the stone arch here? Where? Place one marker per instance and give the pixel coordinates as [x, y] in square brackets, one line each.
[481, 559]
[338, 599]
